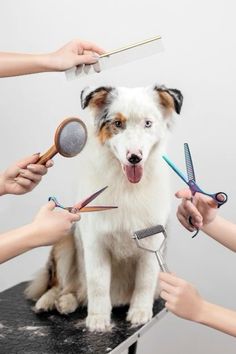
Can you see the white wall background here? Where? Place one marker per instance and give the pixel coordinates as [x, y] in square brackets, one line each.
[199, 59]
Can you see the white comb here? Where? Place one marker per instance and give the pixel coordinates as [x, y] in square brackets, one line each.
[118, 57]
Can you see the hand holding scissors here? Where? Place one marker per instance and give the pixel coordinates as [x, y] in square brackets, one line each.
[81, 206]
[220, 197]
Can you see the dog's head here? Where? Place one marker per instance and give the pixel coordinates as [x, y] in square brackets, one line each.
[131, 121]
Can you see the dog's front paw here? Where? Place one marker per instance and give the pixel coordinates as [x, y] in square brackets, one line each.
[66, 304]
[138, 316]
[98, 323]
[45, 303]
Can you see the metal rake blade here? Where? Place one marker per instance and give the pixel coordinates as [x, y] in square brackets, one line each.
[189, 163]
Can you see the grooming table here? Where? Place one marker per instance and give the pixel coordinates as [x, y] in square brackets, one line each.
[24, 332]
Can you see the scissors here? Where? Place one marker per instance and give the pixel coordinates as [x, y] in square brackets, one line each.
[220, 197]
[81, 206]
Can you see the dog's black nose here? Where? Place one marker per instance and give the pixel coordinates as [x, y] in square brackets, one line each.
[134, 159]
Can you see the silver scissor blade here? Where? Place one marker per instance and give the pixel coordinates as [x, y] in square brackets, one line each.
[189, 163]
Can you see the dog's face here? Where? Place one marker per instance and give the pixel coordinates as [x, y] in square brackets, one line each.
[131, 121]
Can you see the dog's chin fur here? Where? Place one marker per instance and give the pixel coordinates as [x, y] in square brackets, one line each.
[100, 265]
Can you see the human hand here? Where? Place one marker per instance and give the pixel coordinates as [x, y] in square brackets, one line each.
[181, 297]
[52, 225]
[23, 176]
[201, 208]
[75, 53]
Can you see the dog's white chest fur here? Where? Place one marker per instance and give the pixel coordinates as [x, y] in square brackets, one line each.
[139, 205]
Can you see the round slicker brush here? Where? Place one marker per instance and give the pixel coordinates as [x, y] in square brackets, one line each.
[70, 139]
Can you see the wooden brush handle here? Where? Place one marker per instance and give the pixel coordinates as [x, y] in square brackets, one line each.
[48, 155]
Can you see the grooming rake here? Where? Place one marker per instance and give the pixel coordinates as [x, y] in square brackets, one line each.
[151, 231]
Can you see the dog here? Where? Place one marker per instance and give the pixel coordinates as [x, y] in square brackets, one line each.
[100, 265]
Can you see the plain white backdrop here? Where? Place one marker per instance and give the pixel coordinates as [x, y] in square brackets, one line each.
[199, 59]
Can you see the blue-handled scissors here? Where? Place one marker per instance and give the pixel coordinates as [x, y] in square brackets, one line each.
[81, 206]
[220, 197]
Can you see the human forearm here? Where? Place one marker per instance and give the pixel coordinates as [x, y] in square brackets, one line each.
[16, 242]
[13, 64]
[48, 227]
[219, 318]
[183, 300]
[74, 53]
[223, 231]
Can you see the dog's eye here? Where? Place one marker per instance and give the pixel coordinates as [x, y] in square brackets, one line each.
[148, 124]
[118, 123]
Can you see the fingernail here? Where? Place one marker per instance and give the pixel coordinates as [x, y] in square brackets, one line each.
[74, 210]
[95, 56]
[49, 164]
[16, 179]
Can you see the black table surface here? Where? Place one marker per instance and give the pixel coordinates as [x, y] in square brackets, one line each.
[24, 332]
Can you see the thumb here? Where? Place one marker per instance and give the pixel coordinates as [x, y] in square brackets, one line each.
[49, 206]
[212, 203]
[28, 160]
[183, 193]
[87, 59]
[74, 217]
[208, 201]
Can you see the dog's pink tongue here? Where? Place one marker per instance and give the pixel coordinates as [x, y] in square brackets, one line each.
[134, 173]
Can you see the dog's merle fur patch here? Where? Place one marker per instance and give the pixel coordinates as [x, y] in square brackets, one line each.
[174, 93]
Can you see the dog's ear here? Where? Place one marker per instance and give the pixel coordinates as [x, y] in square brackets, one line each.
[170, 99]
[95, 99]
